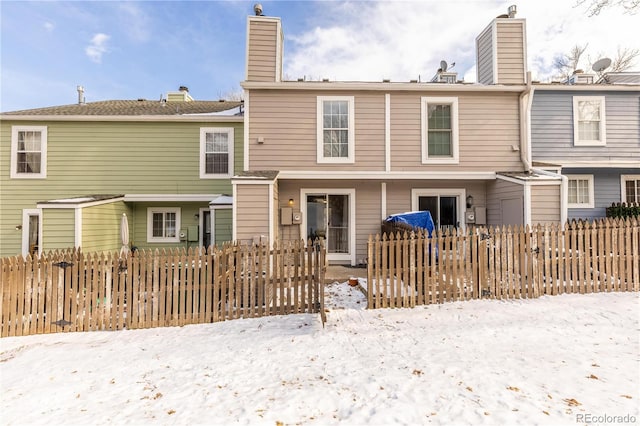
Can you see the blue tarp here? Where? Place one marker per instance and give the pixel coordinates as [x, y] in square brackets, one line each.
[420, 219]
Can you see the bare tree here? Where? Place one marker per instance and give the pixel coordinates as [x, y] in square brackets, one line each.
[594, 7]
[236, 94]
[624, 60]
[567, 63]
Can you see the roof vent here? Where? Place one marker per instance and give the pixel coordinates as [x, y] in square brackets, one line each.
[183, 89]
[513, 9]
[80, 95]
[579, 77]
[257, 9]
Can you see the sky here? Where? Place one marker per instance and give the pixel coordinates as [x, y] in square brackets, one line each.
[555, 360]
[144, 49]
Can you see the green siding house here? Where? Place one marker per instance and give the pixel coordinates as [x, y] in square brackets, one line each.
[69, 173]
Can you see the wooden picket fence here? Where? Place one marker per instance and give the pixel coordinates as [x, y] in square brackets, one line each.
[503, 263]
[76, 291]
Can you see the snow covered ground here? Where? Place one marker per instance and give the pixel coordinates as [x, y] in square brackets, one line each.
[555, 360]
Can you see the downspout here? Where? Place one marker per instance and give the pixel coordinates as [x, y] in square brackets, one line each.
[526, 155]
[524, 101]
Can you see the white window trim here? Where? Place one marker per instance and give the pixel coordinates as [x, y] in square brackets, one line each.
[591, 203]
[203, 144]
[453, 101]
[351, 192]
[603, 127]
[459, 193]
[25, 229]
[350, 159]
[623, 186]
[14, 152]
[150, 212]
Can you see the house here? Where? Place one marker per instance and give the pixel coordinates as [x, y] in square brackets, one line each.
[588, 129]
[333, 159]
[68, 173]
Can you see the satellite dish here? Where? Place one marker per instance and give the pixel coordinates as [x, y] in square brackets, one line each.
[601, 64]
[443, 66]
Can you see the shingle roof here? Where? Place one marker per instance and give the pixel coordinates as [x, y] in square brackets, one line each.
[133, 108]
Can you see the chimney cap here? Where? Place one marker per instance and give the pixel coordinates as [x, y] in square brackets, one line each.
[257, 9]
[183, 89]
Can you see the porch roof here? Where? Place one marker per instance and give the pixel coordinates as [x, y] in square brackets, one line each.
[80, 201]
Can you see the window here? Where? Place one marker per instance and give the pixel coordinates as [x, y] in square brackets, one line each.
[580, 191]
[216, 152]
[589, 121]
[163, 225]
[445, 206]
[439, 130]
[630, 188]
[29, 152]
[336, 140]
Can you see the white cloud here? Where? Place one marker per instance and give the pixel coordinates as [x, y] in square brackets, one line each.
[369, 41]
[97, 47]
[49, 26]
[135, 22]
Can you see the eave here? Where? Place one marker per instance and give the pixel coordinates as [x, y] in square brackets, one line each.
[382, 86]
[128, 118]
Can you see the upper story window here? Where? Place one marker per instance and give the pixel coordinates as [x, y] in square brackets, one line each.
[336, 135]
[163, 224]
[589, 121]
[439, 130]
[580, 191]
[29, 152]
[216, 152]
[630, 188]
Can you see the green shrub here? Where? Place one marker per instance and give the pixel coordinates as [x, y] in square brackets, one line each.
[623, 210]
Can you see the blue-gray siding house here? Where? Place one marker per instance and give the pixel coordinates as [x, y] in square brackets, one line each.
[590, 132]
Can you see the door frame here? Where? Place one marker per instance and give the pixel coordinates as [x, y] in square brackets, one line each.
[351, 192]
[459, 193]
[25, 229]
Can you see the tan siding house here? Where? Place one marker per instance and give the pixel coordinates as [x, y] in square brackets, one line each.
[345, 155]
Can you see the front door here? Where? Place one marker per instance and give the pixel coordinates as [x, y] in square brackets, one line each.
[206, 228]
[329, 216]
[31, 223]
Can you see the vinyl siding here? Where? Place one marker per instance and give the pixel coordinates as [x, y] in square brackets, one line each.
[552, 127]
[287, 122]
[545, 204]
[510, 46]
[223, 226]
[138, 223]
[606, 183]
[368, 207]
[108, 158]
[488, 127]
[101, 226]
[252, 211]
[58, 229]
[484, 56]
[262, 50]
[497, 191]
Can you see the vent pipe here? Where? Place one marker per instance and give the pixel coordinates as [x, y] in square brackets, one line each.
[512, 11]
[80, 95]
